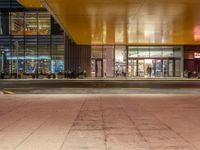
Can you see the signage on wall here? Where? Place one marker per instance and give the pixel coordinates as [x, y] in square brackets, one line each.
[197, 55]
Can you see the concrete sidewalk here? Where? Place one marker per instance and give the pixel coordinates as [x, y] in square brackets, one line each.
[68, 122]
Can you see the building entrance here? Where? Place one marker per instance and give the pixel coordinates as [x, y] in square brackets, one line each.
[153, 67]
[97, 68]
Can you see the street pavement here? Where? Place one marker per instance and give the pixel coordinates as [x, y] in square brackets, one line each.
[148, 86]
[100, 122]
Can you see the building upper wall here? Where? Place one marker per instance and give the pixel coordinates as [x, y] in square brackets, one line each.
[146, 22]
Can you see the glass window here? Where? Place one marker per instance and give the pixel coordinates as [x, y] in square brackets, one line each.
[31, 55]
[143, 52]
[97, 52]
[18, 54]
[57, 58]
[31, 24]
[177, 53]
[168, 52]
[177, 68]
[120, 61]
[17, 23]
[132, 52]
[108, 61]
[44, 62]
[1, 30]
[44, 24]
[155, 52]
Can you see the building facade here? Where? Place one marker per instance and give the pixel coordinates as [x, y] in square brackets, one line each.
[137, 61]
[33, 45]
[31, 42]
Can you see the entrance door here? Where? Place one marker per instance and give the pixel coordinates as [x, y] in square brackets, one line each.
[132, 67]
[168, 67]
[99, 68]
[156, 68]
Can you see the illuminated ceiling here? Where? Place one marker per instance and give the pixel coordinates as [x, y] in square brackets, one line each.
[139, 22]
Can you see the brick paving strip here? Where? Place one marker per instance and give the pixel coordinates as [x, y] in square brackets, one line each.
[99, 122]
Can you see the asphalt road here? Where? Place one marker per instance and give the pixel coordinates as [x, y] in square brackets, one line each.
[100, 86]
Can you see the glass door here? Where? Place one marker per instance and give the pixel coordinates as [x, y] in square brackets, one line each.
[132, 67]
[177, 68]
[165, 68]
[171, 67]
[141, 68]
[156, 68]
[99, 68]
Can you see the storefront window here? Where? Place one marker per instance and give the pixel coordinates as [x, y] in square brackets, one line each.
[143, 52]
[17, 23]
[132, 52]
[155, 52]
[168, 52]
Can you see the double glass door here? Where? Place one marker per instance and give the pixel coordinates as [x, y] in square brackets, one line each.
[97, 68]
[153, 67]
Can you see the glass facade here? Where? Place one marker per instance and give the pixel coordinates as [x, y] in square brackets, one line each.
[28, 47]
[137, 61]
[30, 23]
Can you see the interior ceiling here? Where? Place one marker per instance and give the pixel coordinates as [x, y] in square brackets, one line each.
[137, 22]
